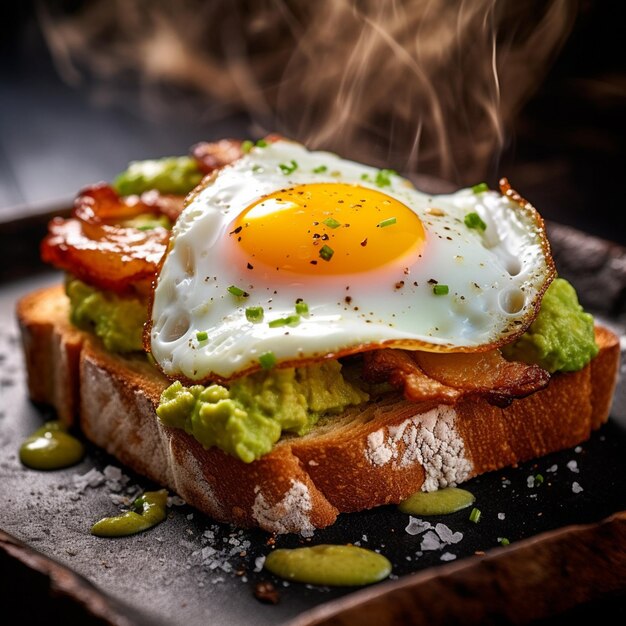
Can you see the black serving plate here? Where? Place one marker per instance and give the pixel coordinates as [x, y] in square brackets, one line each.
[192, 571]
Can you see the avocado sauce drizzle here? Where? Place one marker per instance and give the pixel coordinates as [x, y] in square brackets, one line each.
[51, 447]
[440, 502]
[326, 564]
[148, 511]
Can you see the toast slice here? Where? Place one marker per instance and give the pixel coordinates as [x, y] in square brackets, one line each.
[369, 456]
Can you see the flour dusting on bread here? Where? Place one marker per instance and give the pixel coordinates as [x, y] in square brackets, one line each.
[429, 439]
[288, 515]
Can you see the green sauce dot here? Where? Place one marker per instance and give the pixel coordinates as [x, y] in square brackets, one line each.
[152, 507]
[50, 447]
[440, 502]
[333, 565]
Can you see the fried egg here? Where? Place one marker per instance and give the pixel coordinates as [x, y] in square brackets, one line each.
[289, 256]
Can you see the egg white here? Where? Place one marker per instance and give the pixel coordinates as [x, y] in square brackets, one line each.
[495, 279]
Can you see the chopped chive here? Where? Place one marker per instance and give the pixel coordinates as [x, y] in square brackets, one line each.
[326, 252]
[331, 222]
[290, 320]
[538, 479]
[504, 541]
[138, 503]
[288, 168]
[320, 169]
[383, 178]
[257, 168]
[236, 291]
[365, 176]
[473, 220]
[441, 290]
[261, 143]
[202, 335]
[254, 313]
[474, 515]
[390, 221]
[302, 308]
[246, 146]
[480, 188]
[267, 360]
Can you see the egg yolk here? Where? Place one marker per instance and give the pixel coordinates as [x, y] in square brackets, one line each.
[328, 228]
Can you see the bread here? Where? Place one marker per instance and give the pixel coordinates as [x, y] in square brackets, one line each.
[362, 459]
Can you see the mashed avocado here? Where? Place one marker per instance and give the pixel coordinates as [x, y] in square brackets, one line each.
[248, 419]
[117, 320]
[175, 175]
[561, 338]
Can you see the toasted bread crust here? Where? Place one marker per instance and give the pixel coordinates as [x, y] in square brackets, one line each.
[374, 455]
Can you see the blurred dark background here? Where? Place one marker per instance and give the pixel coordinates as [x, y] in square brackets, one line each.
[563, 149]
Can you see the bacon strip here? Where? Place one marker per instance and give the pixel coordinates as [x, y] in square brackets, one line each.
[95, 247]
[444, 378]
[212, 156]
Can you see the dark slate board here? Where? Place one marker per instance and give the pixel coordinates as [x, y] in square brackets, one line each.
[191, 571]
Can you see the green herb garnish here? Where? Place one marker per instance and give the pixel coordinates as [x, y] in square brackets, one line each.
[326, 252]
[473, 220]
[390, 221]
[288, 168]
[202, 335]
[320, 169]
[383, 178]
[302, 308]
[539, 479]
[441, 290]
[261, 143]
[474, 515]
[254, 313]
[246, 146]
[267, 360]
[480, 188]
[236, 291]
[331, 222]
[504, 541]
[290, 320]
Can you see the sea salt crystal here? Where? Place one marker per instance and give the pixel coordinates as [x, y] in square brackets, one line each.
[501, 515]
[258, 563]
[115, 479]
[576, 488]
[119, 499]
[446, 535]
[175, 501]
[530, 481]
[364, 538]
[578, 449]
[552, 468]
[448, 556]
[93, 478]
[417, 526]
[431, 541]
[190, 516]
[573, 466]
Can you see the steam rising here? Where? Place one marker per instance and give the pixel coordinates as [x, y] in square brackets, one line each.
[422, 86]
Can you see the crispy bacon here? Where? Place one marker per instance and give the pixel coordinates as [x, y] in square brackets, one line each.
[95, 246]
[109, 257]
[212, 156]
[428, 376]
[398, 368]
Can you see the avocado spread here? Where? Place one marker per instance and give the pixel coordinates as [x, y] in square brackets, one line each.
[249, 417]
[117, 320]
[175, 175]
[246, 419]
[561, 338]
